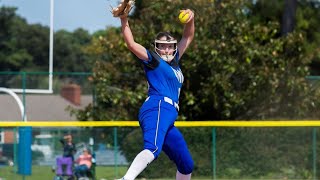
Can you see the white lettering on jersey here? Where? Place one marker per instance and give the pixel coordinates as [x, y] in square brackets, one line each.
[178, 74]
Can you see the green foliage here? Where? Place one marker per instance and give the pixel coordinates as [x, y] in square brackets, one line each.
[306, 21]
[240, 65]
[308, 15]
[69, 51]
[260, 151]
[11, 56]
[25, 47]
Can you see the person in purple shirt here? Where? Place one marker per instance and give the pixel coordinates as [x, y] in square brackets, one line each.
[160, 110]
[69, 149]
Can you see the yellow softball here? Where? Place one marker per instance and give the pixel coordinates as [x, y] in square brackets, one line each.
[183, 17]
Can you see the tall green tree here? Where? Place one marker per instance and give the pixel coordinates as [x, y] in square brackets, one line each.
[69, 53]
[305, 13]
[11, 56]
[25, 47]
[34, 39]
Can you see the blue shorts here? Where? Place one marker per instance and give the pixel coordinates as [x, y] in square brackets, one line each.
[156, 120]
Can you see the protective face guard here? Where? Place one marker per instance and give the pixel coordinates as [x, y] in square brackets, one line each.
[166, 57]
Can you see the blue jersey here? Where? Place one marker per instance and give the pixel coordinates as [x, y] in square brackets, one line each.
[158, 113]
[165, 79]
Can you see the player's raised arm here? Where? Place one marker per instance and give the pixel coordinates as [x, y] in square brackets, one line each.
[134, 47]
[188, 32]
[122, 11]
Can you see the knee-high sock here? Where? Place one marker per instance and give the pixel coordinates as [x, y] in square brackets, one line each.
[180, 176]
[139, 163]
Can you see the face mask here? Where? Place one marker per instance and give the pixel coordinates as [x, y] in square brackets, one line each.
[166, 57]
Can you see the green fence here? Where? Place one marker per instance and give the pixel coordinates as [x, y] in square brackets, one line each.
[218, 152]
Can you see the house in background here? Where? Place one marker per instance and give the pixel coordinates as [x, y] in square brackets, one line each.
[41, 107]
[45, 107]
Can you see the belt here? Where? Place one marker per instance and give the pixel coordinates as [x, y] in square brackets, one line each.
[170, 101]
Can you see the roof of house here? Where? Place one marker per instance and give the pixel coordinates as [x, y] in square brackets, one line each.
[44, 107]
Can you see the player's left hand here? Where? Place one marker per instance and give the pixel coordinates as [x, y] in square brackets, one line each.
[191, 14]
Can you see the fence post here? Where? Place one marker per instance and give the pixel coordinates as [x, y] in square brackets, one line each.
[214, 153]
[24, 86]
[116, 149]
[24, 151]
[314, 152]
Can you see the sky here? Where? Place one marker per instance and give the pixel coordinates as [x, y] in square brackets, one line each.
[69, 15]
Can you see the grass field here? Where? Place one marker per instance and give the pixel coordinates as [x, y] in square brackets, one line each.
[45, 173]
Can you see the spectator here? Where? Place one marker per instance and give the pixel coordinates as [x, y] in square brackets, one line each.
[84, 164]
[69, 148]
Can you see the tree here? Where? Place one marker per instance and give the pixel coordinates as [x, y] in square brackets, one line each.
[11, 57]
[69, 55]
[305, 14]
[25, 47]
[34, 39]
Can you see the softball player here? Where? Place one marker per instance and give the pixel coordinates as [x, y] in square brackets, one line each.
[160, 110]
